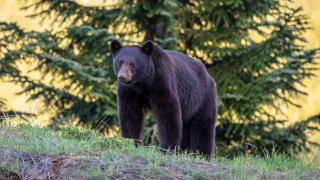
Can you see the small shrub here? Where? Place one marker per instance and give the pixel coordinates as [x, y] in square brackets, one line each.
[119, 143]
[76, 133]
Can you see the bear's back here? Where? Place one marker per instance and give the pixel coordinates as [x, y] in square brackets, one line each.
[188, 66]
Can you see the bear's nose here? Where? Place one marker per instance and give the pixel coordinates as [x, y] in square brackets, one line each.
[122, 79]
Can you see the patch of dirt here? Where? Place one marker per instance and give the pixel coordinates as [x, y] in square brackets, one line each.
[133, 171]
[23, 165]
[205, 170]
[313, 175]
[64, 165]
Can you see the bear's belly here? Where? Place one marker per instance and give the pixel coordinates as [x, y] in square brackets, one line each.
[190, 105]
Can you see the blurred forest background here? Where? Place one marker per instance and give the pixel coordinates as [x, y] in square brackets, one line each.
[55, 63]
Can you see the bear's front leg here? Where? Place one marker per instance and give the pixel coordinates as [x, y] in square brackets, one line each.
[130, 111]
[168, 114]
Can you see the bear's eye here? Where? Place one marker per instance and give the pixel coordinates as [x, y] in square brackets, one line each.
[133, 65]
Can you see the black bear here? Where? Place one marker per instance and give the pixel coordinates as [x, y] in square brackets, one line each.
[176, 88]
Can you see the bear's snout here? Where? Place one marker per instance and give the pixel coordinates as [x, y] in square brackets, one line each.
[125, 75]
[123, 78]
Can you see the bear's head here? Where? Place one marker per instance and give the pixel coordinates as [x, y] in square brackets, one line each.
[131, 63]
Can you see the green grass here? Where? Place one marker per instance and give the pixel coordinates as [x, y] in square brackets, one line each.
[31, 152]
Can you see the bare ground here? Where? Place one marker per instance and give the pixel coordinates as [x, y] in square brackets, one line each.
[23, 165]
[16, 165]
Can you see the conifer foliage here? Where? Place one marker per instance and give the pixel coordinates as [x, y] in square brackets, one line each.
[253, 49]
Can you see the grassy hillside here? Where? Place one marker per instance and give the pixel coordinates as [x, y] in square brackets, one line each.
[28, 152]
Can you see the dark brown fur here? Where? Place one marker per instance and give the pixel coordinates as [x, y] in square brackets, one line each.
[176, 88]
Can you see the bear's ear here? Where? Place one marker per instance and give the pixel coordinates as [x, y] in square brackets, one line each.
[115, 46]
[147, 47]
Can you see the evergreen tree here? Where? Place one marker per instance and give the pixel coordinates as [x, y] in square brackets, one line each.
[253, 49]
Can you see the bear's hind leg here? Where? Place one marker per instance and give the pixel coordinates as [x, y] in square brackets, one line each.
[202, 135]
[185, 142]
